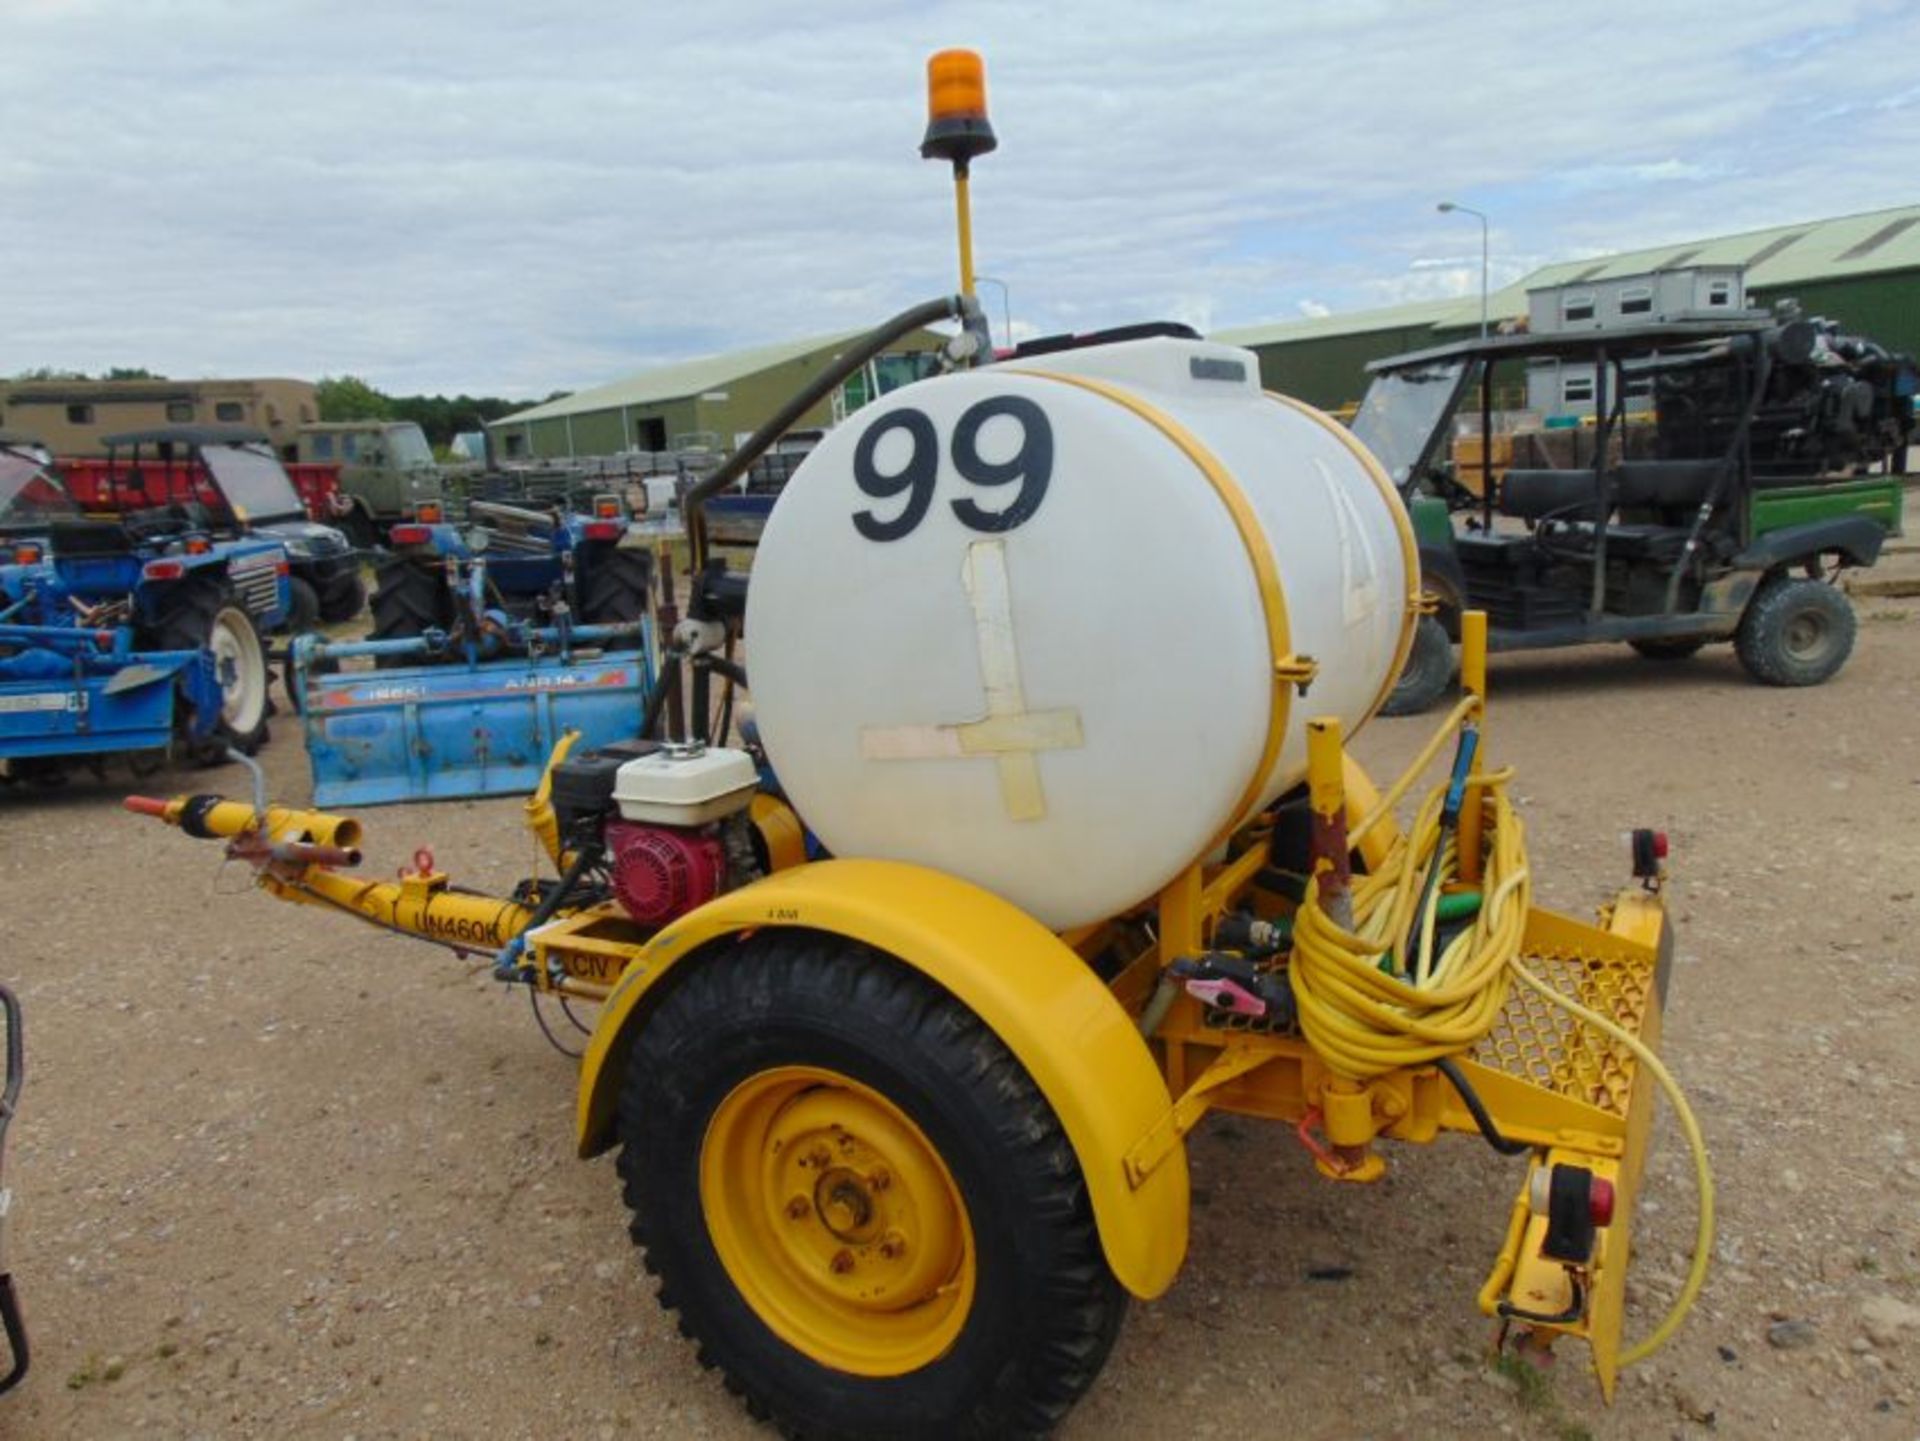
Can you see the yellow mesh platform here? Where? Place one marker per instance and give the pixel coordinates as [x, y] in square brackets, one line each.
[1536, 1041]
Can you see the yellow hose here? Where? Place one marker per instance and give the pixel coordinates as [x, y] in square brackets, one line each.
[1364, 1022]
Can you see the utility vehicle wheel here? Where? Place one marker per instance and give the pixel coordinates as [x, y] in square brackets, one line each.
[858, 1201]
[1795, 632]
[200, 615]
[1667, 648]
[619, 584]
[303, 605]
[1427, 673]
[345, 595]
[408, 599]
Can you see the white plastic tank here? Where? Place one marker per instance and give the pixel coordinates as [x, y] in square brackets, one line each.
[1032, 624]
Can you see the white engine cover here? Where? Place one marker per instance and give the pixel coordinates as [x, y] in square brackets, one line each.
[1056, 678]
[688, 785]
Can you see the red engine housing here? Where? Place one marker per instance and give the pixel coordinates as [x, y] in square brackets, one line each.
[662, 872]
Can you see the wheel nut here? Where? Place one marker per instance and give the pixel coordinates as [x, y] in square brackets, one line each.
[893, 1245]
[797, 1208]
[879, 1178]
[842, 1262]
[819, 1155]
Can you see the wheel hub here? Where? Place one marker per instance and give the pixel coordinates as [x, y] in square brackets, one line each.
[837, 1220]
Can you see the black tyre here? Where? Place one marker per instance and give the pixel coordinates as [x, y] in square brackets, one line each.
[343, 598]
[859, 1203]
[303, 605]
[360, 529]
[619, 585]
[201, 615]
[409, 598]
[1428, 671]
[1795, 632]
[1667, 647]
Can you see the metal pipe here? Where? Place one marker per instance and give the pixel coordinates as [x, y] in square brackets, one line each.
[963, 308]
[1603, 493]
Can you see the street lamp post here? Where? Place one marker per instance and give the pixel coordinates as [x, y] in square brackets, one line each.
[1006, 303]
[1447, 207]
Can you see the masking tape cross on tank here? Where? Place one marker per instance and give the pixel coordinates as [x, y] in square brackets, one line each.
[1273, 601]
[1009, 732]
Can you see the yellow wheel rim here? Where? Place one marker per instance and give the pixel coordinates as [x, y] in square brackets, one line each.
[837, 1221]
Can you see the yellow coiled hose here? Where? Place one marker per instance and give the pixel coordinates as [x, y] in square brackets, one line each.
[1364, 1022]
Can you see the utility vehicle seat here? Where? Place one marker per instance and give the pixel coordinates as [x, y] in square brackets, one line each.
[1664, 483]
[1562, 494]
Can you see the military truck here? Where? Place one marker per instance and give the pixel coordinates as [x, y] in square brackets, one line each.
[386, 470]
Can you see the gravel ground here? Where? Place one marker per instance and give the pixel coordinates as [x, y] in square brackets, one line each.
[275, 1174]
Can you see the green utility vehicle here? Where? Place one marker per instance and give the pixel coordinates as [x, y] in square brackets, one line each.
[1729, 470]
[386, 467]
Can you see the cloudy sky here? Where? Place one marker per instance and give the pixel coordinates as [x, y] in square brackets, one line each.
[516, 198]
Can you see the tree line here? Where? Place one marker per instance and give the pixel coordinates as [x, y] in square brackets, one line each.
[441, 417]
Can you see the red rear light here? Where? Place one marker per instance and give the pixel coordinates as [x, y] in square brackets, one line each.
[428, 512]
[26, 555]
[163, 570]
[603, 530]
[410, 535]
[607, 507]
[198, 546]
[1660, 844]
[1600, 1201]
[283, 566]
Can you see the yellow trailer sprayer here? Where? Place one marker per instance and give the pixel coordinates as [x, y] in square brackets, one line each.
[1043, 843]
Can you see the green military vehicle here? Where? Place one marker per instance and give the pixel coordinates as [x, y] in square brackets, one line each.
[386, 470]
[1729, 470]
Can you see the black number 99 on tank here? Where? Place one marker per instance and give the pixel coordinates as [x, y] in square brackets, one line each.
[1030, 465]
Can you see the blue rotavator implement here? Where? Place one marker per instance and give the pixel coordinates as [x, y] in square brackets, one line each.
[68, 692]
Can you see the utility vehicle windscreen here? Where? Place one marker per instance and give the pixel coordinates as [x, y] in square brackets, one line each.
[28, 495]
[1401, 408]
[255, 486]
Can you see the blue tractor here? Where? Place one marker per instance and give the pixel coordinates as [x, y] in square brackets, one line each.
[137, 637]
[473, 588]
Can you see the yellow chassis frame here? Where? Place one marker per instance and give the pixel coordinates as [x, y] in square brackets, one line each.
[1126, 1101]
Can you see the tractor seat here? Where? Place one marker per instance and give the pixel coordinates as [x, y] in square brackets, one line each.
[86, 539]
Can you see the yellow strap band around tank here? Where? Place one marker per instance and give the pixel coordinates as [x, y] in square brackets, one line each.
[1273, 601]
[1402, 526]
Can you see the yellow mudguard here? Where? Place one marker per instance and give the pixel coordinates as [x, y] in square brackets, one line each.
[1040, 998]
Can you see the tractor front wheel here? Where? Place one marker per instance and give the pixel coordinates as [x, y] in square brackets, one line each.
[859, 1203]
[303, 605]
[344, 597]
[1795, 632]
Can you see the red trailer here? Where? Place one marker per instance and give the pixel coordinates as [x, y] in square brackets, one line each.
[115, 484]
